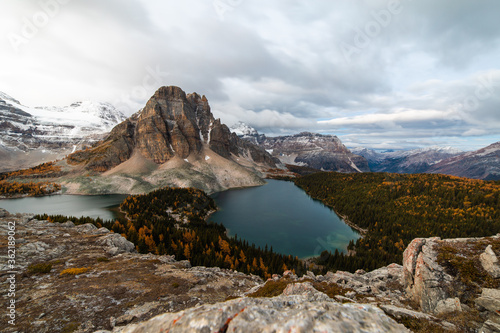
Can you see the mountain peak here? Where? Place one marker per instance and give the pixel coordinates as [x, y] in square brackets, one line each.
[5, 97]
[172, 124]
[241, 129]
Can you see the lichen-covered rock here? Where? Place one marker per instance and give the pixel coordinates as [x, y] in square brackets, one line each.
[425, 280]
[306, 312]
[490, 263]
[116, 288]
[116, 244]
[448, 305]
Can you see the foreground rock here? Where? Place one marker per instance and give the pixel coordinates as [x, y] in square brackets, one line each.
[84, 279]
[294, 311]
[118, 287]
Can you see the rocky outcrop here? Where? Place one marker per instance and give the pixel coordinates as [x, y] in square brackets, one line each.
[438, 273]
[424, 279]
[376, 282]
[490, 263]
[122, 291]
[298, 309]
[118, 288]
[490, 301]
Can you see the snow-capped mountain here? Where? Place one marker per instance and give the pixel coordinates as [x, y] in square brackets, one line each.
[30, 135]
[247, 132]
[406, 161]
[480, 164]
[322, 152]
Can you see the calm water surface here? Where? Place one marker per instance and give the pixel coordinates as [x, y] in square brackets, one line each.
[103, 206]
[278, 214]
[283, 216]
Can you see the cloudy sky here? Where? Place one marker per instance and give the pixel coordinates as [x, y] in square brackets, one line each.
[378, 73]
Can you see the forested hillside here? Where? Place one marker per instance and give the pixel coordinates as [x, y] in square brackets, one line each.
[19, 183]
[397, 208]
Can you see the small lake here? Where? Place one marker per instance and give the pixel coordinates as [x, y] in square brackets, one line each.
[103, 206]
[283, 216]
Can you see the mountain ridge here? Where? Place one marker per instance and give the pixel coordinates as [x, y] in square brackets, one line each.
[318, 151]
[33, 134]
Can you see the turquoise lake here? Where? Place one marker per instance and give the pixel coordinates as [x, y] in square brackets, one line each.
[283, 216]
[278, 214]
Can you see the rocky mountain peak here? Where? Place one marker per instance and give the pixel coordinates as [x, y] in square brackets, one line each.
[172, 124]
[170, 93]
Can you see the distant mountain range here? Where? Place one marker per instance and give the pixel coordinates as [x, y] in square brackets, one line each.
[326, 152]
[175, 131]
[481, 164]
[322, 152]
[31, 135]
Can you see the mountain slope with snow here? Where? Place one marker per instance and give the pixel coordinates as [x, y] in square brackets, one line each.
[30, 135]
[322, 152]
[480, 164]
[406, 161]
[247, 132]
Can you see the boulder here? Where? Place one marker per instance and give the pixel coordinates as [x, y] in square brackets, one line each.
[425, 281]
[489, 300]
[3, 213]
[490, 263]
[86, 228]
[448, 305]
[398, 312]
[116, 244]
[68, 224]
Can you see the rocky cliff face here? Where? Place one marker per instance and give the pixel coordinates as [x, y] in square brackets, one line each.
[30, 135]
[171, 124]
[176, 132]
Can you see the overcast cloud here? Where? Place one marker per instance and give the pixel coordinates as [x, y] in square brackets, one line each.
[379, 74]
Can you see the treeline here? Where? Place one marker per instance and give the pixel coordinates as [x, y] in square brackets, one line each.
[12, 188]
[396, 208]
[44, 170]
[173, 221]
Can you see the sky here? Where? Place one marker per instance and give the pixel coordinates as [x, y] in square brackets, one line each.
[382, 74]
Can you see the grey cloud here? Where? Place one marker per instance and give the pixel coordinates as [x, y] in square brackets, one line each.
[277, 65]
